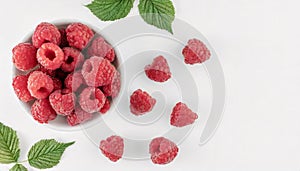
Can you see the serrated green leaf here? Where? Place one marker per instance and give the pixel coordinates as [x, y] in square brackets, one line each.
[46, 153]
[18, 167]
[9, 145]
[110, 10]
[160, 13]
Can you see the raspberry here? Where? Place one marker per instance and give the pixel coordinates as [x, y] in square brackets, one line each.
[79, 35]
[78, 116]
[63, 40]
[42, 111]
[105, 107]
[91, 99]
[74, 81]
[44, 33]
[97, 71]
[141, 102]
[101, 48]
[24, 56]
[73, 59]
[113, 89]
[159, 70]
[62, 101]
[57, 85]
[182, 115]
[162, 150]
[50, 56]
[195, 52]
[20, 87]
[112, 148]
[40, 85]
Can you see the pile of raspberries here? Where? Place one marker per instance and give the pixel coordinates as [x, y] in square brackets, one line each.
[66, 71]
[71, 72]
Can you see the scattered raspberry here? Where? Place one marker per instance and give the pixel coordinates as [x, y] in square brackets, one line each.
[195, 52]
[79, 35]
[45, 33]
[159, 70]
[40, 85]
[182, 115]
[63, 41]
[78, 116]
[74, 81]
[113, 89]
[141, 102]
[73, 59]
[91, 99]
[97, 71]
[162, 150]
[105, 107]
[42, 111]
[20, 87]
[112, 148]
[62, 101]
[101, 48]
[50, 56]
[24, 56]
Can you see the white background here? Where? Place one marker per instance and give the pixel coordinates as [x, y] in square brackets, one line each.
[258, 45]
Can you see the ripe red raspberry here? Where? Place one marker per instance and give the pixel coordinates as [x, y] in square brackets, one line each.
[74, 81]
[20, 87]
[159, 70]
[91, 99]
[73, 59]
[97, 71]
[101, 48]
[42, 111]
[40, 85]
[112, 148]
[195, 52]
[44, 33]
[105, 107]
[63, 101]
[50, 56]
[182, 115]
[113, 89]
[63, 40]
[162, 150]
[24, 56]
[141, 102]
[79, 35]
[57, 85]
[78, 116]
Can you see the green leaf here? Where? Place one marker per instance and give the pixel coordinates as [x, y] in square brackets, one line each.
[46, 153]
[160, 13]
[9, 145]
[110, 10]
[18, 167]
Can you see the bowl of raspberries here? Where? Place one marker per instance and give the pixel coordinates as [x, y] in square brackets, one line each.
[65, 74]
